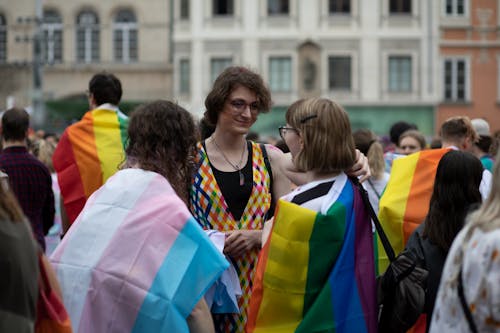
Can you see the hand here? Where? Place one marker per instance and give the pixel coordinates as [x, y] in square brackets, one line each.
[360, 167]
[238, 242]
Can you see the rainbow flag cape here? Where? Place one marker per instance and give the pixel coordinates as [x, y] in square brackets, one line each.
[316, 272]
[88, 153]
[135, 260]
[405, 201]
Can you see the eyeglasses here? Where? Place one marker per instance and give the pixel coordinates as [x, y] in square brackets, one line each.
[239, 106]
[284, 129]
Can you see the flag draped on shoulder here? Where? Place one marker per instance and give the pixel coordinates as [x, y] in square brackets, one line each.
[405, 201]
[135, 260]
[88, 153]
[316, 271]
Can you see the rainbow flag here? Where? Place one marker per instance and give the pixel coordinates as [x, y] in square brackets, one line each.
[135, 260]
[316, 271]
[405, 201]
[88, 153]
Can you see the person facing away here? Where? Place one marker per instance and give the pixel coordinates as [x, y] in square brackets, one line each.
[19, 267]
[481, 148]
[29, 178]
[367, 142]
[473, 266]
[458, 133]
[91, 150]
[316, 270]
[455, 193]
[135, 260]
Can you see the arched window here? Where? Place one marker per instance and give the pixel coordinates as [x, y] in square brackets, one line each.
[87, 37]
[52, 33]
[125, 36]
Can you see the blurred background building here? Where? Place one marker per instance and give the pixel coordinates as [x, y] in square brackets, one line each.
[384, 60]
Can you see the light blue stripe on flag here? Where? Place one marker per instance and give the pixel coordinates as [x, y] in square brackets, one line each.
[189, 269]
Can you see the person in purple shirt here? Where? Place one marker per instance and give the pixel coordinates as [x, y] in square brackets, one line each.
[29, 178]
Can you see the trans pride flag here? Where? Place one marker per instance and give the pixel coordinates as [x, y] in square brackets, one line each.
[405, 201]
[316, 272]
[88, 153]
[135, 260]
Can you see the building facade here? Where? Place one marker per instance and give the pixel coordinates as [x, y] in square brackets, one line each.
[378, 58]
[79, 38]
[469, 43]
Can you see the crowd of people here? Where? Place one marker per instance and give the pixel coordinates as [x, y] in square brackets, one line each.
[157, 222]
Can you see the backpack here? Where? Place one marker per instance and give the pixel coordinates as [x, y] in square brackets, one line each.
[401, 289]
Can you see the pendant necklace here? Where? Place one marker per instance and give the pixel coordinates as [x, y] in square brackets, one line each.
[236, 167]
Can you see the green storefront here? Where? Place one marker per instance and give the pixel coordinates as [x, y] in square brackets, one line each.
[377, 118]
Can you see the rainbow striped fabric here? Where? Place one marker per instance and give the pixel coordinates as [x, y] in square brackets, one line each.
[135, 260]
[88, 153]
[405, 201]
[316, 272]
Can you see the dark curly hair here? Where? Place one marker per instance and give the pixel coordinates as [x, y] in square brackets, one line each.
[162, 138]
[226, 82]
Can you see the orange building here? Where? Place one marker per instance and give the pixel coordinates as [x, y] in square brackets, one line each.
[470, 57]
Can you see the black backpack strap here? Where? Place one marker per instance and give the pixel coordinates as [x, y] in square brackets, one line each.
[463, 302]
[381, 234]
[313, 193]
[270, 172]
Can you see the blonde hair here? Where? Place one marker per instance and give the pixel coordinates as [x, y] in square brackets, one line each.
[367, 142]
[44, 150]
[325, 130]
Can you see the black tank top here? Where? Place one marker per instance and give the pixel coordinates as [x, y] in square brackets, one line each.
[236, 196]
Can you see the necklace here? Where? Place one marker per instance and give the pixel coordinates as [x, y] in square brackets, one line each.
[236, 167]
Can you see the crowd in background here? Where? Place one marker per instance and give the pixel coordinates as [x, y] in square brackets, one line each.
[218, 175]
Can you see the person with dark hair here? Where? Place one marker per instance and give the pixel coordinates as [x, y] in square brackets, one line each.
[90, 151]
[135, 259]
[455, 193]
[29, 178]
[19, 267]
[238, 181]
[468, 296]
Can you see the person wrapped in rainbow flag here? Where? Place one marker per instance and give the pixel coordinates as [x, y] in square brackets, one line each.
[316, 270]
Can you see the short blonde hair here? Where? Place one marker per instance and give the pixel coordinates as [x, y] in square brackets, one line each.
[325, 130]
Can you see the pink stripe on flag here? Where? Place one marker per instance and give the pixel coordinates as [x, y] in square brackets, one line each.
[128, 266]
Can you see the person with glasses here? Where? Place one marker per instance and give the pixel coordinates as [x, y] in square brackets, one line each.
[234, 189]
[316, 272]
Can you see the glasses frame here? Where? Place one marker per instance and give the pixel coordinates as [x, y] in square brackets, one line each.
[283, 129]
[239, 106]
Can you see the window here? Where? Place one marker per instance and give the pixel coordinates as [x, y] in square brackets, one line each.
[339, 6]
[400, 6]
[125, 36]
[455, 79]
[52, 33]
[184, 76]
[400, 74]
[455, 7]
[277, 7]
[217, 65]
[184, 9]
[87, 37]
[339, 72]
[280, 74]
[223, 7]
[3, 39]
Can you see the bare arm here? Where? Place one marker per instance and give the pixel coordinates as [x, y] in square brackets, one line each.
[200, 319]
